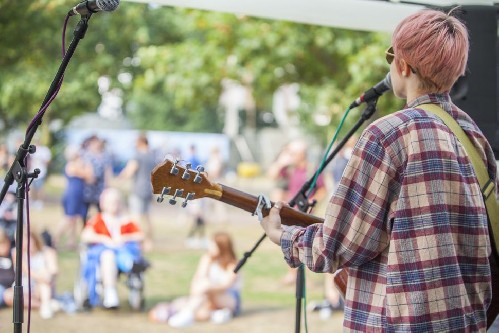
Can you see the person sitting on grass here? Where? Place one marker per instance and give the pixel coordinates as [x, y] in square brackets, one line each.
[43, 269]
[115, 245]
[214, 293]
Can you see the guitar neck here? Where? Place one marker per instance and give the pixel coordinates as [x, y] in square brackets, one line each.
[249, 203]
[171, 178]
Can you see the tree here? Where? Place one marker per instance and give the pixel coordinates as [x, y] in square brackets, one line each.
[32, 53]
[176, 59]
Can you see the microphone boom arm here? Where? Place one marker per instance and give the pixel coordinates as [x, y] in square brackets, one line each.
[301, 196]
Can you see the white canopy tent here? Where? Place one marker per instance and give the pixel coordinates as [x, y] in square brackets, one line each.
[368, 15]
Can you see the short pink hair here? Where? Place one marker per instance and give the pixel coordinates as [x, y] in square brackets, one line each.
[436, 46]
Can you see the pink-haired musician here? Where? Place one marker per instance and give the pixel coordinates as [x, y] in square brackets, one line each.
[408, 219]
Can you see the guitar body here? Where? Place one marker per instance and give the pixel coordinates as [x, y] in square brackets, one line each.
[170, 178]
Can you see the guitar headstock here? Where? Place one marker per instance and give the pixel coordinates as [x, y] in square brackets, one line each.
[172, 179]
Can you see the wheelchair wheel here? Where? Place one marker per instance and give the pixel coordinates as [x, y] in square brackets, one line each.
[80, 294]
[136, 292]
[136, 299]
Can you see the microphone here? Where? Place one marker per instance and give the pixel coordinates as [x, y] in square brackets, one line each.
[373, 93]
[94, 6]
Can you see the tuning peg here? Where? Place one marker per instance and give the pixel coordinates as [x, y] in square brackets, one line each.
[197, 178]
[174, 169]
[186, 175]
[178, 193]
[164, 192]
[188, 197]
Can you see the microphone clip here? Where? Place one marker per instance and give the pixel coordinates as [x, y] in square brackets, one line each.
[370, 109]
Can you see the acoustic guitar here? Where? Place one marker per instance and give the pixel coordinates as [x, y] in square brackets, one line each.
[181, 183]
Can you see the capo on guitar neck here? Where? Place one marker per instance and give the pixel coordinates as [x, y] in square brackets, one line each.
[263, 202]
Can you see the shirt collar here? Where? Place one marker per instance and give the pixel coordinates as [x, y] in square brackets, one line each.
[441, 99]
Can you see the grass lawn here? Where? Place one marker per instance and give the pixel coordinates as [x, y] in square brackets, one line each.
[267, 303]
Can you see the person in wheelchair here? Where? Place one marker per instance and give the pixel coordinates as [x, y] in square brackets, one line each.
[113, 246]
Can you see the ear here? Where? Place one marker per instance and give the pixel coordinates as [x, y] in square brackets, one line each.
[404, 68]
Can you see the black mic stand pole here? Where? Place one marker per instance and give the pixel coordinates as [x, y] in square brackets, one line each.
[18, 172]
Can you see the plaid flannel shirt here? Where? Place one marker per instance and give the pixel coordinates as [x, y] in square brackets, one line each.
[409, 222]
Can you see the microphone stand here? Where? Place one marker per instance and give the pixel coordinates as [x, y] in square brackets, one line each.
[18, 172]
[303, 204]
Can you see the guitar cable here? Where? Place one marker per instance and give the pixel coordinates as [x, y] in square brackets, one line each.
[326, 154]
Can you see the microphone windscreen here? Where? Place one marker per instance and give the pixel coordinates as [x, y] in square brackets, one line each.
[388, 81]
[108, 5]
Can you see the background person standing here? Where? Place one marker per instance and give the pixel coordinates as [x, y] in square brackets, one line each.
[139, 169]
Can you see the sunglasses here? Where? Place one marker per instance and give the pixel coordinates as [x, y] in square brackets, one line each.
[390, 55]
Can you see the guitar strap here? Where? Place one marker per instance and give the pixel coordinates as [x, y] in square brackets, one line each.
[489, 196]
[487, 184]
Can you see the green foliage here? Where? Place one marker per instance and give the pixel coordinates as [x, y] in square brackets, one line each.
[177, 59]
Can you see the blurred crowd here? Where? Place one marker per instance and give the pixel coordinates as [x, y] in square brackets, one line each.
[111, 230]
[112, 236]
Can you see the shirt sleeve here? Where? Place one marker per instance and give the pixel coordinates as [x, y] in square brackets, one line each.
[356, 224]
